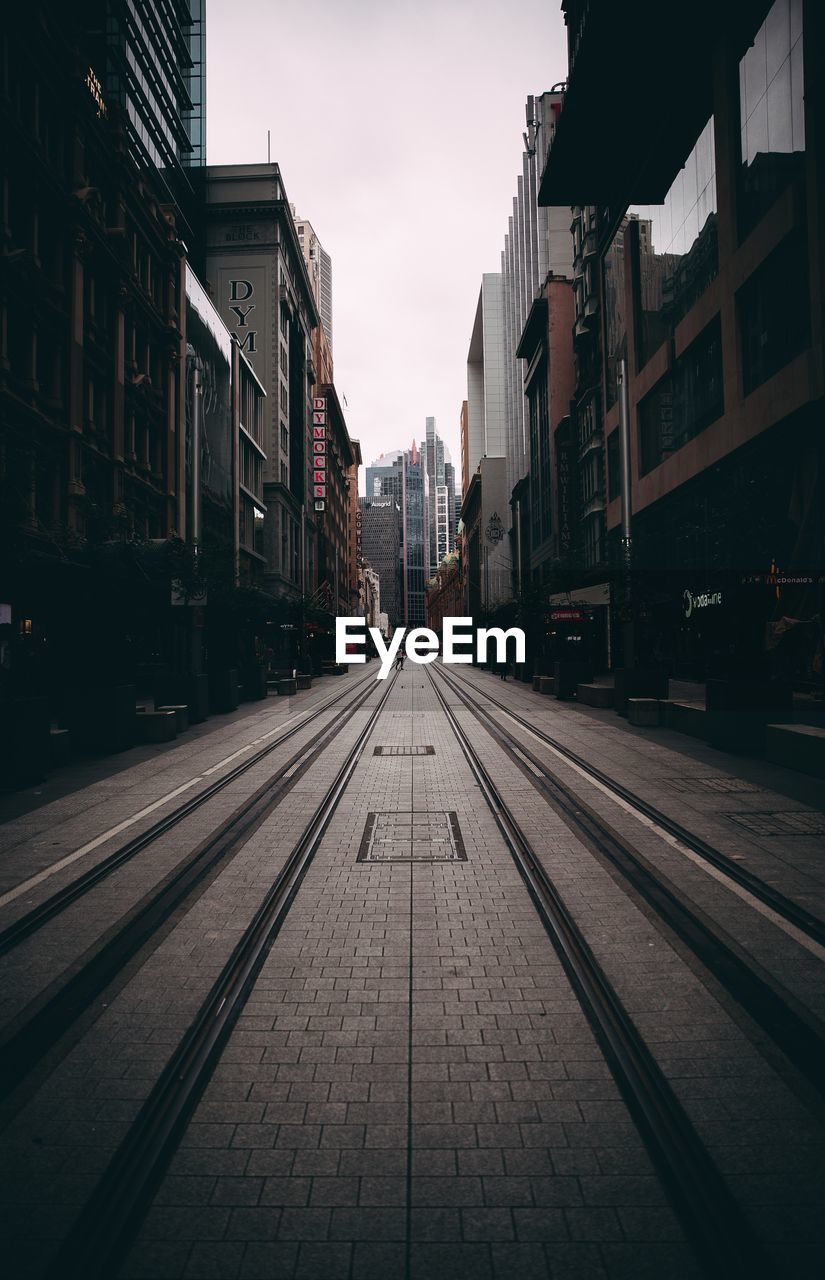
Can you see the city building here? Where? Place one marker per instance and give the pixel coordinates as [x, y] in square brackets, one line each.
[486, 433]
[709, 231]
[381, 548]
[537, 243]
[261, 289]
[90, 365]
[487, 568]
[333, 521]
[354, 529]
[402, 475]
[445, 592]
[319, 268]
[441, 496]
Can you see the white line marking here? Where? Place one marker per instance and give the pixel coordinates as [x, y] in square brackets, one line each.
[810, 944]
[25, 885]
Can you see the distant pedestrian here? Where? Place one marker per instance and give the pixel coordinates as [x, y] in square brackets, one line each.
[399, 658]
[502, 669]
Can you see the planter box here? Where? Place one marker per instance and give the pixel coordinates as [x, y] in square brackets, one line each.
[537, 683]
[547, 684]
[286, 688]
[254, 682]
[643, 712]
[223, 690]
[156, 726]
[740, 710]
[595, 695]
[638, 682]
[568, 676]
[796, 746]
[304, 682]
[181, 716]
[24, 741]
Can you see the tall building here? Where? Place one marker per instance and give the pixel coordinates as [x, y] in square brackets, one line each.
[704, 253]
[537, 243]
[319, 268]
[440, 512]
[148, 61]
[486, 378]
[381, 547]
[403, 476]
[262, 292]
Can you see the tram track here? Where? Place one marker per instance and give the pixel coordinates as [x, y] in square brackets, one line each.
[792, 912]
[34, 1033]
[101, 1235]
[775, 1011]
[712, 1219]
[28, 923]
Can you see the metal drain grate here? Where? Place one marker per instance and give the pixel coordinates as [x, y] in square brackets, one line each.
[781, 822]
[404, 751]
[406, 836]
[724, 786]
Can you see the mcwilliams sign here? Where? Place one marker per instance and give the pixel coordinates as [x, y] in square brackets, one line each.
[421, 644]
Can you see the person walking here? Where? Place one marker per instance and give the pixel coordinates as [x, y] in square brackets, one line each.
[502, 669]
[400, 656]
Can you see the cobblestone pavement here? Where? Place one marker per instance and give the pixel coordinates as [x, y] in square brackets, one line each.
[412, 1088]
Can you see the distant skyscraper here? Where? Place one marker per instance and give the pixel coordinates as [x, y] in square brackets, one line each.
[319, 268]
[403, 475]
[381, 546]
[440, 497]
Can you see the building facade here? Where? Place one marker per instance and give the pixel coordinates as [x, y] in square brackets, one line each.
[402, 475]
[319, 269]
[260, 286]
[710, 259]
[381, 548]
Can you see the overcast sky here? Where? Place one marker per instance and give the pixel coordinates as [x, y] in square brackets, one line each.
[397, 127]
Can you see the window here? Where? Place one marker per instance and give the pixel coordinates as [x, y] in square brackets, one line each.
[676, 246]
[771, 112]
[773, 309]
[685, 402]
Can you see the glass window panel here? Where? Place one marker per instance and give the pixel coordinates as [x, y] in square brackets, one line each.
[771, 105]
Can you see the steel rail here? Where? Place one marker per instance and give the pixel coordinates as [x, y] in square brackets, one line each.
[807, 923]
[800, 1041]
[107, 1224]
[28, 1043]
[713, 1221]
[24, 926]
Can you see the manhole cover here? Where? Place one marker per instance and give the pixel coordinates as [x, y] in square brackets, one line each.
[406, 836]
[404, 751]
[789, 822]
[724, 786]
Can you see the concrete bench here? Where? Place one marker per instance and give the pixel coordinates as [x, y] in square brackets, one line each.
[156, 726]
[643, 712]
[797, 746]
[304, 682]
[691, 718]
[595, 695]
[547, 684]
[181, 715]
[287, 687]
[60, 741]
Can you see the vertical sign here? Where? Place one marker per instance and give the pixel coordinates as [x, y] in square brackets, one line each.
[319, 451]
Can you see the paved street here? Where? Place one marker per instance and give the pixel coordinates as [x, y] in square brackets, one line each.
[411, 1084]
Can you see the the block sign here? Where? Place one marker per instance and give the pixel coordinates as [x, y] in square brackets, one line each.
[319, 451]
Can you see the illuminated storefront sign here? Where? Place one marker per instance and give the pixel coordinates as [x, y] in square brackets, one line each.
[319, 452]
